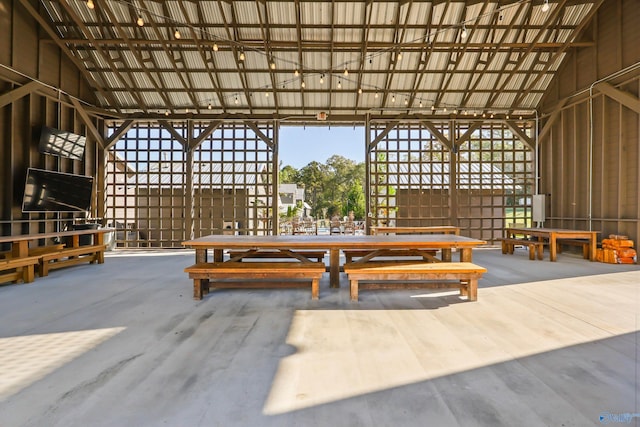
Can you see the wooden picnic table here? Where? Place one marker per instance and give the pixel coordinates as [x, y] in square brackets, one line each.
[286, 243]
[438, 229]
[553, 235]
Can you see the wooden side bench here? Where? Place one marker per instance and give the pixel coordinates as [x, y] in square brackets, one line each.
[38, 250]
[227, 274]
[536, 247]
[423, 275]
[584, 243]
[274, 254]
[426, 254]
[24, 269]
[70, 256]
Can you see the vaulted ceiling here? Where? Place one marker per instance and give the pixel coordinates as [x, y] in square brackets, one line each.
[297, 58]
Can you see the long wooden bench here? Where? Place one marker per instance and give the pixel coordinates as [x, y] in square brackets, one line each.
[70, 256]
[415, 275]
[22, 269]
[535, 247]
[584, 243]
[426, 254]
[35, 251]
[255, 275]
[274, 254]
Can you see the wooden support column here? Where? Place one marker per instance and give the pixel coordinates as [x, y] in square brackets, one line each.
[275, 224]
[453, 176]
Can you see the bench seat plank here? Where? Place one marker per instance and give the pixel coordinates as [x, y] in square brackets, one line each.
[426, 254]
[422, 275]
[70, 256]
[24, 269]
[251, 272]
[275, 254]
[536, 247]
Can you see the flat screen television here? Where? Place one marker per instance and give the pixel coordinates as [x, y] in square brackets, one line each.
[47, 191]
[62, 143]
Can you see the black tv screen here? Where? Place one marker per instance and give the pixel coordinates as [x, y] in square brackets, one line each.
[62, 143]
[47, 191]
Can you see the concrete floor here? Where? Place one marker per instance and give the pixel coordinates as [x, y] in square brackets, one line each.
[124, 344]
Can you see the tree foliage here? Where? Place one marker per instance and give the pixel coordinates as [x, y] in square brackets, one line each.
[335, 187]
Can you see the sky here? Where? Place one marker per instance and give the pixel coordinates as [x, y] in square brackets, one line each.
[300, 146]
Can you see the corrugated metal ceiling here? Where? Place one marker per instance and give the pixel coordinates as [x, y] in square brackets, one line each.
[412, 54]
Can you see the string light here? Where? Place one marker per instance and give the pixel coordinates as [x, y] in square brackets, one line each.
[346, 72]
[296, 73]
[176, 34]
[376, 95]
[303, 84]
[464, 32]
[236, 101]
[140, 22]
[215, 47]
[166, 113]
[209, 106]
[90, 4]
[360, 90]
[545, 6]
[266, 94]
[322, 79]
[339, 84]
[399, 56]
[406, 101]
[273, 64]
[420, 104]
[242, 57]
[393, 98]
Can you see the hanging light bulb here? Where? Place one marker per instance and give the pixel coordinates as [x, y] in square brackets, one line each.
[399, 56]
[296, 73]
[273, 64]
[346, 72]
[393, 98]
[236, 101]
[339, 84]
[140, 22]
[433, 108]
[90, 4]
[242, 57]
[176, 34]
[464, 32]
[209, 106]
[360, 90]
[376, 95]
[166, 113]
[420, 104]
[215, 47]
[303, 84]
[545, 6]
[444, 109]
[266, 94]
[322, 79]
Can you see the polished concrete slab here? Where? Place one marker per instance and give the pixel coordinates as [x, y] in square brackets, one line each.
[124, 344]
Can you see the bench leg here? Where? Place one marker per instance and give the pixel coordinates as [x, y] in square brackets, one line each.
[354, 289]
[532, 252]
[585, 251]
[472, 290]
[43, 268]
[315, 288]
[464, 288]
[540, 252]
[197, 289]
[28, 274]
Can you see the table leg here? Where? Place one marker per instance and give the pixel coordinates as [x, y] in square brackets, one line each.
[446, 254]
[218, 255]
[552, 247]
[593, 244]
[201, 255]
[465, 255]
[334, 268]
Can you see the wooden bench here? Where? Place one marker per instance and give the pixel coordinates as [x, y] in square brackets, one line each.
[274, 254]
[536, 247]
[23, 269]
[38, 250]
[70, 256]
[584, 243]
[426, 254]
[415, 275]
[226, 275]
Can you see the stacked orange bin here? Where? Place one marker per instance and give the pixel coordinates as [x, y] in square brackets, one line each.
[617, 249]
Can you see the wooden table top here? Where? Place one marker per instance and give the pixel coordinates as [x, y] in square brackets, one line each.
[403, 241]
[547, 231]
